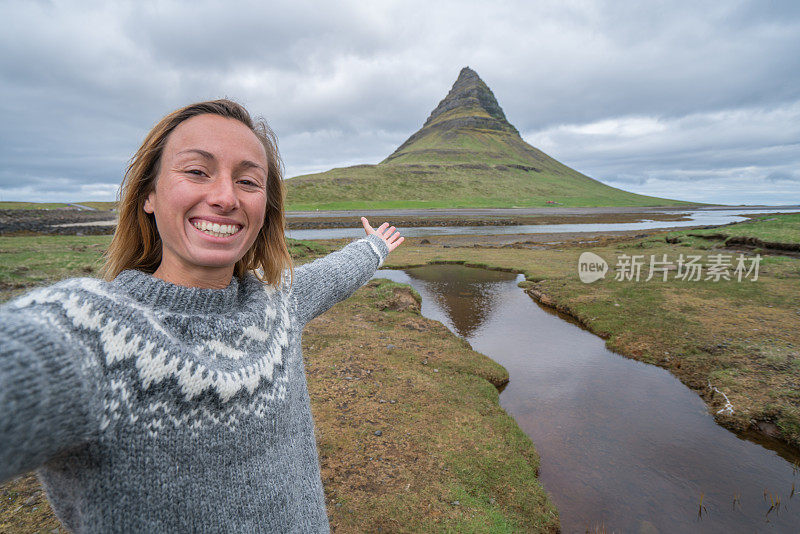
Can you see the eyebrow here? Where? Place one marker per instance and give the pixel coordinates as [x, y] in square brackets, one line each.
[246, 163]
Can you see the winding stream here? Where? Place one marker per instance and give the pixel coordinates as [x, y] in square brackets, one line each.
[625, 446]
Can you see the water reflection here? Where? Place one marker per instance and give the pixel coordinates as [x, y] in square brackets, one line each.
[466, 303]
[623, 444]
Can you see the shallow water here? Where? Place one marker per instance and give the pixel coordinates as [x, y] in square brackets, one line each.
[697, 218]
[624, 445]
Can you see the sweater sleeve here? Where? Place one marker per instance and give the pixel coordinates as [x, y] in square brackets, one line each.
[322, 283]
[44, 396]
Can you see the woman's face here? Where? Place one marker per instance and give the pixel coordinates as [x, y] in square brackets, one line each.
[209, 199]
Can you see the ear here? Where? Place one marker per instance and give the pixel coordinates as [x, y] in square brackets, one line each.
[148, 203]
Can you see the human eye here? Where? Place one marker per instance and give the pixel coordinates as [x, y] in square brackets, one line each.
[250, 183]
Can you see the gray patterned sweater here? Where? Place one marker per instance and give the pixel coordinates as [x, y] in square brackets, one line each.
[152, 407]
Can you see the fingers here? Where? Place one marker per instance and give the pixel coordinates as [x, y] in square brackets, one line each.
[383, 230]
[388, 233]
[394, 242]
[392, 238]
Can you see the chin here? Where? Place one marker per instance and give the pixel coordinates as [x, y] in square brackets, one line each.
[217, 263]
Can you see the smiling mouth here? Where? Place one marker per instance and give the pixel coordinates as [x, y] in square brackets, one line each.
[216, 230]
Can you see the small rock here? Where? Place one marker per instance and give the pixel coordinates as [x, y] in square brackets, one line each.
[30, 501]
[435, 370]
[378, 433]
[456, 503]
[382, 401]
[390, 346]
[392, 401]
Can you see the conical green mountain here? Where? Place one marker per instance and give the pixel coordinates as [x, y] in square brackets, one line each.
[467, 126]
[466, 154]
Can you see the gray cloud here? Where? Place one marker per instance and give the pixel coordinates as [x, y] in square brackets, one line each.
[641, 95]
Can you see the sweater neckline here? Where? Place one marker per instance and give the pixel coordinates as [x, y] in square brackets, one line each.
[156, 293]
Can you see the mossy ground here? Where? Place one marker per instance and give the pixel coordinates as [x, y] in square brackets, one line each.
[774, 228]
[448, 458]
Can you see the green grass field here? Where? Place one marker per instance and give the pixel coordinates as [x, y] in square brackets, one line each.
[10, 205]
[783, 228]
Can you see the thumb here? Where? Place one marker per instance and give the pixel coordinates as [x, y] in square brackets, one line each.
[367, 228]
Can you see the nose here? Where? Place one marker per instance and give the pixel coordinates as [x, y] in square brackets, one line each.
[222, 194]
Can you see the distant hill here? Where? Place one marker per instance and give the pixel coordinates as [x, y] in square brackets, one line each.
[467, 154]
[92, 205]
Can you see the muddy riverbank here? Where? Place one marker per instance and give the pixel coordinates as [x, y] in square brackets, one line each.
[306, 223]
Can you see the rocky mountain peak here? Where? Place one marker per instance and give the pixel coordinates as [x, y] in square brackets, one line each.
[465, 126]
[470, 96]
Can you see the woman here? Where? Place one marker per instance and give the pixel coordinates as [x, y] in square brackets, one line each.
[171, 396]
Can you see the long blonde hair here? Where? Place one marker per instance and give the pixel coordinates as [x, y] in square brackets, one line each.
[137, 244]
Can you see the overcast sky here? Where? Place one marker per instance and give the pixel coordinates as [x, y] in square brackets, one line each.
[694, 100]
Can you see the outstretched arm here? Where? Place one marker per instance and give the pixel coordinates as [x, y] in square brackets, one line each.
[44, 402]
[324, 282]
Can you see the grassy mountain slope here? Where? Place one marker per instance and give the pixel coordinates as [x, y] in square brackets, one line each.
[466, 154]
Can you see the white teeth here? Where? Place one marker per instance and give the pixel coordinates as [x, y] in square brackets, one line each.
[215, 229]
